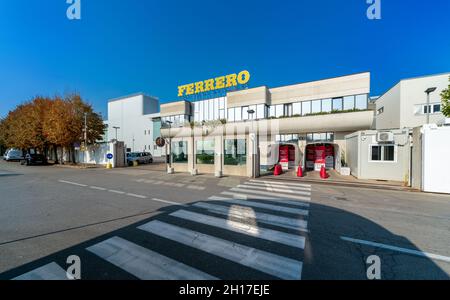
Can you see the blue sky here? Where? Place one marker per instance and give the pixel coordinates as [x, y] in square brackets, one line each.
[122, 47]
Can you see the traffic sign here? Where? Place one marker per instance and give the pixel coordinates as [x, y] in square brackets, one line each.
[109, 156]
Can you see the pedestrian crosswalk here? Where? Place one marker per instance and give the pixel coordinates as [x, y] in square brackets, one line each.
[258, 228]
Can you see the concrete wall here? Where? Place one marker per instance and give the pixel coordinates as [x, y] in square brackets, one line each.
[413, 96]
[176, 108]
[137, 129]
[259, 95]
[352, 153]
[416, 166]
[390, 102]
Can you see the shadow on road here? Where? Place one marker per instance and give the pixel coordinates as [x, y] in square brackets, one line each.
[325, 255]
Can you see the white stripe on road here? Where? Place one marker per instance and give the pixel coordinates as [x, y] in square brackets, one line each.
[278, 266]
[144, 263]
[286, 209]
[116, 192]
[97, 188]
[279, 195]
[292, 188]
[248, 196]
[168, 202]
[270, 189]
[282, 183]
[51, 271]
[398, 249]
[73, 183]
[248, 229]
[136, 196]
[243, 212]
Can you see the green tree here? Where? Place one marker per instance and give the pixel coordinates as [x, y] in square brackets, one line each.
[446, 101]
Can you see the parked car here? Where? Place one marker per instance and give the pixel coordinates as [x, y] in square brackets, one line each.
[6, 153]
[14, 155]
[34, 159]
[140, 157]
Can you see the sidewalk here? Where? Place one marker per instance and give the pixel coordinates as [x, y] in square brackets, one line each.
[336, 178]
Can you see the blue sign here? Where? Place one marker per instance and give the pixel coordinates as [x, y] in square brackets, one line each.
[109, 156]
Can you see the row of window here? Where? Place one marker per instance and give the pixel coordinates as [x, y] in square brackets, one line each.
[210, 110]
[235, 152]
[431, 109]
[382, 153]
[310, 137]
[175, 121]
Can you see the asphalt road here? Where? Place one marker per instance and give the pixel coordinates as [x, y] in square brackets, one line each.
[142, 223]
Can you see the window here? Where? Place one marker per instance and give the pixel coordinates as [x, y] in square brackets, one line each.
[238, 114]
[361, 102]
[436, 108]
[316, 106]
[205, 152]
[231, 114]
[279, 110]
[306, 107]
[179, 152]
[433, 108]
[349, 102]
[297, 108]
[382, 153]
[337, 103]
[326, 105]
[252, 116]
[288, 110]
[320, 137]
[292, 138]
[235, 152]
[272, 111]
[261, 111]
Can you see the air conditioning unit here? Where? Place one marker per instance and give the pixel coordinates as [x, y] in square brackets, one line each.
[385, 137]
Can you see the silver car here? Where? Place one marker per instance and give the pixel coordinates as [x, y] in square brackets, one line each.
[14, 155]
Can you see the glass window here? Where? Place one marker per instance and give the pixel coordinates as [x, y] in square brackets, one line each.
[436, 108]
[309, 137]
[279, 110]
[238, 114]
[216, 109]
[222, 103]
[245, 113]
[288, 110]
[252, 116]
[337, 103]
[179, 152]
[361, 102]
[297, 108]
[349, 102]
[196, 107]
[222, 114]
[272, 111]
[201, 116]
[376, 153]
[316, 106]
[326, 105]
[231, 114]
[205, 152]
[306, 107]
[388, 153]
[261, 111]
[235, 152]
[330, 137]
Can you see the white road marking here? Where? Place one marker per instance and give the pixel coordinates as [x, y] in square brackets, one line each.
[97, 188]
[291, 188]
[286, 209]
[248, 196]
[144, 263]
[73, 183]
[52, 271]
[281, 267]
[168, 202]
[248, 229]
[281, 183]
[271, 189]
[279, 195]
[398, 249]
[116, 192]
[243, 212]
[136, 196]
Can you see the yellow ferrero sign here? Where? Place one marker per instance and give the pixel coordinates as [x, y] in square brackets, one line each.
[218, 83]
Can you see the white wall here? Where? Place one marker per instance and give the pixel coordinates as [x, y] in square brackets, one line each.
[134, 116]
[390, 102]
[436, 159]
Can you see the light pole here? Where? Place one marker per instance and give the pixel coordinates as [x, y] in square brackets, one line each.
[116, 128]
[428, 92]
[170, 147]
[251, 113]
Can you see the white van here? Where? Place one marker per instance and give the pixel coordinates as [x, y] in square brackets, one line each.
[14, 155]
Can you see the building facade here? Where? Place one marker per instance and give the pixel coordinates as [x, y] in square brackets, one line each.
[136, 121]
[249, 131]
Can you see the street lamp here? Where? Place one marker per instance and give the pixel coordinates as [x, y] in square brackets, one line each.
[251, 113]
[116, 128]
[428, 92]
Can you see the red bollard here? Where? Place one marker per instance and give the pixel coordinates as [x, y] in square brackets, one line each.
[278, 170]
[323, 173]
[300, 171]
